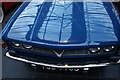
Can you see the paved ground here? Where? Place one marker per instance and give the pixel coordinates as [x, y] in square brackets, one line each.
[16, 70]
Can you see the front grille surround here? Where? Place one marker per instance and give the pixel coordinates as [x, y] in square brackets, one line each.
[67, 53]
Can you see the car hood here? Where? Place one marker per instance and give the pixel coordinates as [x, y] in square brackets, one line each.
[68, 23]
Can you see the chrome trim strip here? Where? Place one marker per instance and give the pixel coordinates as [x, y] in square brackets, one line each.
[56, 66]
[118, 62]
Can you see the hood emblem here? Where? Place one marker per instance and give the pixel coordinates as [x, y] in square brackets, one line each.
[58, 52]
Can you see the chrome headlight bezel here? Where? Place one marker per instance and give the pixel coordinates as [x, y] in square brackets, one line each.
[15, 44]
[109, 49]
[26, 46]
[94, 50]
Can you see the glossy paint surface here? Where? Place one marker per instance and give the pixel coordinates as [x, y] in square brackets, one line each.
[66, 23]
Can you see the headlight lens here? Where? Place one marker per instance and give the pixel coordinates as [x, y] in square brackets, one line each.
[94, 50]
[15, 44]
[27, 46]
[108, 49]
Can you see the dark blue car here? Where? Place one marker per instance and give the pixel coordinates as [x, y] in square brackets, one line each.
[64, 34]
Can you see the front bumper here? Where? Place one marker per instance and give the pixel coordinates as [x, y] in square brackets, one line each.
[59, 66]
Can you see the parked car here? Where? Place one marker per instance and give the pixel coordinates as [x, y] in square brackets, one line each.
[8, 5]
[5, 8]
[64, 34]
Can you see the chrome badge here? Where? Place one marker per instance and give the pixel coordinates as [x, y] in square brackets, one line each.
[58, 52]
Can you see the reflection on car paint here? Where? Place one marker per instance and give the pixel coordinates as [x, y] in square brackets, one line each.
[65, 33]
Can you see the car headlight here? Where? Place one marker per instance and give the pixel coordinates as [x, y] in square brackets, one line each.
[108, 49]
[26, 46]
[15, 44]
[94, 50]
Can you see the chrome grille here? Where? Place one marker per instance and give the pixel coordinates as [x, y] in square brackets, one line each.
[74, 52]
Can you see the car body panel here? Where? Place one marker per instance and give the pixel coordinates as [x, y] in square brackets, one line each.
[74, 24]
[61, 33]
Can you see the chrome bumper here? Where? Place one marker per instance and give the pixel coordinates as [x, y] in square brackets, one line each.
[56, 66]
